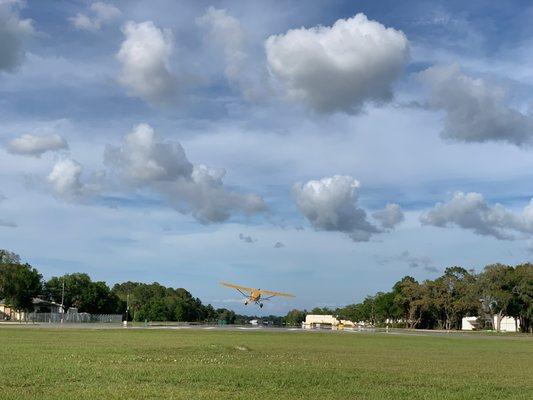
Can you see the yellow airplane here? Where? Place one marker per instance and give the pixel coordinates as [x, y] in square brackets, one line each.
[255, 295]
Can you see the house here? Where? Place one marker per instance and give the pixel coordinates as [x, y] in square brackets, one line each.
[39, 306]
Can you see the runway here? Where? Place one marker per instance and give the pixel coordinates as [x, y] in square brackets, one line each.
[265, 329]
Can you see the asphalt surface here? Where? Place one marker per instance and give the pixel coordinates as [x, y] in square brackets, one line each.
[248, 328]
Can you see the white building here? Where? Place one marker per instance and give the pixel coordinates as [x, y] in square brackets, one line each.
[507, 324]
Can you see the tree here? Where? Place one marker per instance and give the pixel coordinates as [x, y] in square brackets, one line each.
[384, 307]
[521, 306]
[322, 311]
[453, 297]
[19, 285]
[496, 284]
[8, 257]
[225, 315]
[353, 312]
[295, 317]
[408, 299]
[77, 290]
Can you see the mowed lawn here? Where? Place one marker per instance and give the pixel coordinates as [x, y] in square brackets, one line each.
[202, 364]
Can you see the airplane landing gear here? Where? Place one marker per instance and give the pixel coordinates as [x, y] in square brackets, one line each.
[260, 305]
[245, 303]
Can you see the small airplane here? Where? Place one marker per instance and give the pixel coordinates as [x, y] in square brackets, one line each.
[255, 295]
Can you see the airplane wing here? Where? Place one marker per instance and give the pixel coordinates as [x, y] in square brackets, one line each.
[272, 294]
[239, 288]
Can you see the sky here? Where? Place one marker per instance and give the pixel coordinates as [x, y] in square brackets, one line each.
[322, 148]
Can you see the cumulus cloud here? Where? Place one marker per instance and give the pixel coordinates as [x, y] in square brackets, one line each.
[412, 260]
[475, 110]
[145, 58]
[246, 238]
[14, 31]
[330, 204]
[341, 67]
[36, 146]
[278, 245]
[470, 211]
[65, 181]
[101, 13]
[143, 161]
[390, 216]
[227, 36]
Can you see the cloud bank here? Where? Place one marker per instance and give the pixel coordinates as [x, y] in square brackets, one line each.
[338, 68]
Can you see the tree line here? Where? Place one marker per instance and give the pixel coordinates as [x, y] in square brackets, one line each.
[20, 283]
[499, 290]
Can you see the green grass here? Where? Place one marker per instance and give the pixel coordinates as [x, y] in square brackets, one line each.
[201, 364]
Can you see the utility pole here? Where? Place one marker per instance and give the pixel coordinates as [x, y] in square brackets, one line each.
[63, 295]
[63, 300]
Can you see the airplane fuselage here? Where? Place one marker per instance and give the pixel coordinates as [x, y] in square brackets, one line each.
[255, 295]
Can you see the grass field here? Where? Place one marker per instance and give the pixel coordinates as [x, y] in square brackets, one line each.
[202, 364]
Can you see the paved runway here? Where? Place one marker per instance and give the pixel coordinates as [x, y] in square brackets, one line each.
[249, 328]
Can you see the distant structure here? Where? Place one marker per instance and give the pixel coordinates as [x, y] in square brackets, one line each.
[313, 321]
[39, 306]
[507, 324]
[51, 312]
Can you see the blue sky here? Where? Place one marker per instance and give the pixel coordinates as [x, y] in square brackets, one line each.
[325, 148]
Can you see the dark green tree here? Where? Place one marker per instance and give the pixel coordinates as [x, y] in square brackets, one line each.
[19, 285]
[295, 317]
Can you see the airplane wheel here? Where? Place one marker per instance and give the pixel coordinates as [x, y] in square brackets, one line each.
[261, 305]
[245, 303]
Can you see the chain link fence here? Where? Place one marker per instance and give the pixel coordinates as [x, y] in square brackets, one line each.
[74, 318]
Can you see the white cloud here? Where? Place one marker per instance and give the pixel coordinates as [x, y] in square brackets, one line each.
[278, 245]
[471, 211]
[36, 146]
[13, 33]
[145, 55]
[143, 159]
[475, 110]
[65, 181]
[145, 162]
[338, 68]
[330, 204]
[102, 12]
[390, 216]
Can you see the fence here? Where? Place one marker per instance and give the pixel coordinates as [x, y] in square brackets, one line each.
[73, 318]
